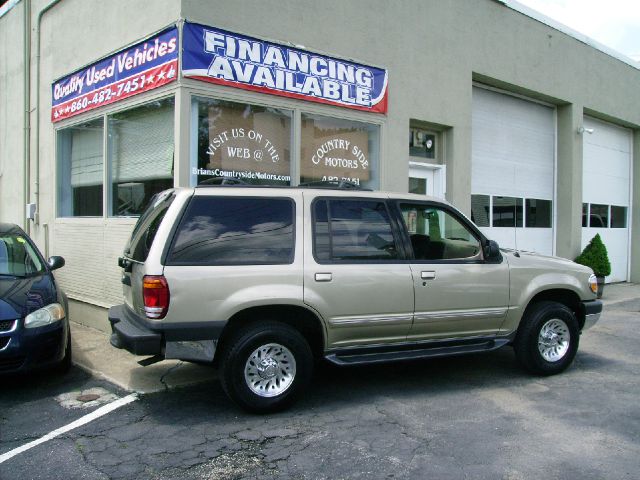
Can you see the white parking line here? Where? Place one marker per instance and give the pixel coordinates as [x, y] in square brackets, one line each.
[110, 407]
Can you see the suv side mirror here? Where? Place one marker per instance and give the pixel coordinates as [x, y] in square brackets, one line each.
[55, 262]
[492, 251]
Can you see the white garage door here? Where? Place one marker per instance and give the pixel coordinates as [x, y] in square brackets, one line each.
[605, 191]
[512, 176]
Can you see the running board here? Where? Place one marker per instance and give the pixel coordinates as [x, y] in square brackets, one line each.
[412, 351]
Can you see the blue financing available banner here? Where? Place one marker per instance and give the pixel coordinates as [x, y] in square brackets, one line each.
[217, 56]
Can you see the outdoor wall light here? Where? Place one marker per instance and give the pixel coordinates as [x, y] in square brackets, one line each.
[582, 130]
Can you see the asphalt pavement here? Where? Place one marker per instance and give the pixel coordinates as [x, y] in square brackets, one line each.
[476, 416]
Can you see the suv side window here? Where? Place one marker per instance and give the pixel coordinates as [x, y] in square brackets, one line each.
[235, 231]
[436, 234]
[353, 230]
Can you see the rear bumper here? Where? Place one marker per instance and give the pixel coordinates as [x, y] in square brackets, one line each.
[195, 341]
[592, 312]
[130, 332]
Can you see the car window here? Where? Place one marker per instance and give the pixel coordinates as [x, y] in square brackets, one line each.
[147, 226]
[235, 231]
[353, 230]
[436, 234]
[17, 257]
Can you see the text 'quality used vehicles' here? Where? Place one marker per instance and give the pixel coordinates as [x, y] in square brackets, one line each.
[263, 281]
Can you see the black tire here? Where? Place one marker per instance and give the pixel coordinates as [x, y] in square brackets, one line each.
[241, 347]
[528, 352]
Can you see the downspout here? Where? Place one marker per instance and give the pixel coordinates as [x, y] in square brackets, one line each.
[37, 108]
[26, 165]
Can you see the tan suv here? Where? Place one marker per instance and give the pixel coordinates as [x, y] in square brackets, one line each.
[263, 281]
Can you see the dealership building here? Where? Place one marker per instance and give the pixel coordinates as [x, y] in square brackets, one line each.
[529, 128]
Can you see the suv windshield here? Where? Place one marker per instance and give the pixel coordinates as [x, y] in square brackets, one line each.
[17, 257]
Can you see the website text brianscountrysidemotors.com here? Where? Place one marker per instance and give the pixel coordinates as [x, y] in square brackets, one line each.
[217, 172]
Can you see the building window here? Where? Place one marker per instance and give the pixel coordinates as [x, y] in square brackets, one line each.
[339, 150]
[422, 144]
[480, 210]
[618, 217]
[604, 216]
[141, 155]
[507, 212]
[418, 185]
[80, 169]
[241, 141]
[538, 213]
[599, 216]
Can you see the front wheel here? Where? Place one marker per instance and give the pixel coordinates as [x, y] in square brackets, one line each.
[266, 366]
[547, 339]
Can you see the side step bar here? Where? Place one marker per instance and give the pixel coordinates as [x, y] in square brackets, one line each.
[412, 351]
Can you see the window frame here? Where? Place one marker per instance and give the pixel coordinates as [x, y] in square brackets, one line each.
[395, 231]
[171, 91]
[109, 162]
[587, 216]
[192, 157]
[625, 216]
[374, 166]
[58, 167]
[477, 234]
[194, 88]
[523, 212]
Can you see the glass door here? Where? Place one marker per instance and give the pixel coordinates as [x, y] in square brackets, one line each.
[421, 179]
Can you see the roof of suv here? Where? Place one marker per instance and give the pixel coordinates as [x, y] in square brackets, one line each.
[266, 190]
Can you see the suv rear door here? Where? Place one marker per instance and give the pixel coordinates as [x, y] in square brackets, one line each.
[234, 249]
[137, 250]
[356, 275]
[457, 293]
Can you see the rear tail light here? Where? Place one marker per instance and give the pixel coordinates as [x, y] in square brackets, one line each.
[155, 291]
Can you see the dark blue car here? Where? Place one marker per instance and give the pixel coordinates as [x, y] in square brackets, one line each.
[34, 325]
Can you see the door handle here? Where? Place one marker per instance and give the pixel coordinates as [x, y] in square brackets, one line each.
[430, 275]
[323, 277]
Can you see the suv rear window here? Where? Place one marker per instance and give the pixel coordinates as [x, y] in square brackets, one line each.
[147, 226]
[235, 231]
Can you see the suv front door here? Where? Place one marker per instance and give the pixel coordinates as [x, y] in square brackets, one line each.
[355, 272]
[457, 293]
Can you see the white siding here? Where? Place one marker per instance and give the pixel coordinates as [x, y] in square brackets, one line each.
[91, 249]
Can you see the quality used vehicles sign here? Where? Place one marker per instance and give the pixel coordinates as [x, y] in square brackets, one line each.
[142, 67]
[217, 56]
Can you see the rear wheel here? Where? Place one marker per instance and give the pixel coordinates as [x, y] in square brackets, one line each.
[266, 366]
[547, 339]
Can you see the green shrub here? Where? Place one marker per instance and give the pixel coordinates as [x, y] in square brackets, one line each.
[595, 256]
